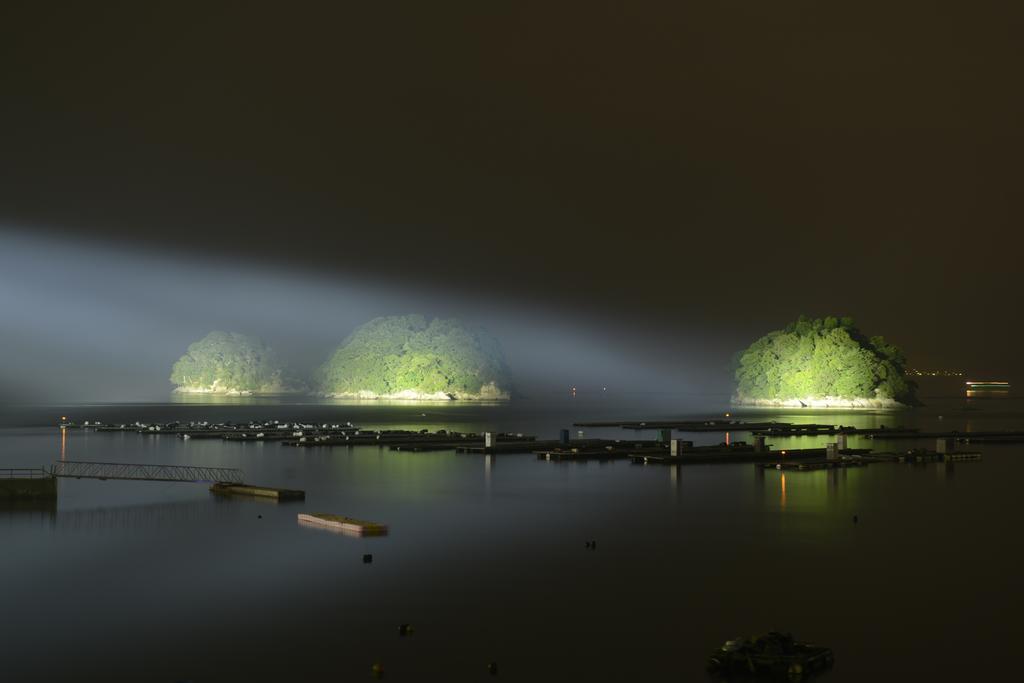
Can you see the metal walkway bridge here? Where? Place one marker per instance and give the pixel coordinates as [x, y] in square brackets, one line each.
[139, 472]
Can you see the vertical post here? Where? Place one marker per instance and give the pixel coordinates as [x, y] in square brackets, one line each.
[563, 437]
[664, 435]
[759, 444]
[832, 451]
[489, 439]
[841, 441]
[678, 446]
[945, 445]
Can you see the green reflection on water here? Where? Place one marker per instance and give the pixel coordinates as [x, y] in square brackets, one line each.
[811, 491]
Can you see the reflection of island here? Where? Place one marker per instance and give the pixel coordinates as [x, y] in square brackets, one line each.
[405, 357]
[823, 363]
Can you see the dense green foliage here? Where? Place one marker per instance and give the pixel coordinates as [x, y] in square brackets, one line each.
[819, 358]
[405, 353]
[227, 361]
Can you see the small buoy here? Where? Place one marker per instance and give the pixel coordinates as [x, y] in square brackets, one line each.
[377, 670]
[405, 630]
[492, 668]
[367, 558]
[259, 516]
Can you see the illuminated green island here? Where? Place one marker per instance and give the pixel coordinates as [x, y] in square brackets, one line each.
[231, 364]
[825, 362]
[405, 357]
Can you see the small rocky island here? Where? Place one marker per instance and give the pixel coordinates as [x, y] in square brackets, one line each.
[823, 363]
[405, 357]
[231, 364]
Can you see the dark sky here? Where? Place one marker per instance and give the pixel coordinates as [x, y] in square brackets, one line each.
[656, 171]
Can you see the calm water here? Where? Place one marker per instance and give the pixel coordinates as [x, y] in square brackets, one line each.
[130, 581]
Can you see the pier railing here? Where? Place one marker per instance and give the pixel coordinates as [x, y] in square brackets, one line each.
[143, 472]
[23, 473]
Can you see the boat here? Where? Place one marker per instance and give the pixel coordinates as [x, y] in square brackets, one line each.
[345, 524]
[987, 386]
[772, 655]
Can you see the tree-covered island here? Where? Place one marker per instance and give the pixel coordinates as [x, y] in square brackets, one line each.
[405, 357]
[232, 364]
[825, 362]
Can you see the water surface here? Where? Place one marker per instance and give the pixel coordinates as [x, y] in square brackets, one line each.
[130, 581]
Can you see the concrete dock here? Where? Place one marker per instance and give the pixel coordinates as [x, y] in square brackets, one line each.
[27, 483]
[732, 455]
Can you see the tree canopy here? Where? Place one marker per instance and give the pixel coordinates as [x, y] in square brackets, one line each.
[824, 357]
[229, 362]
[391, 355]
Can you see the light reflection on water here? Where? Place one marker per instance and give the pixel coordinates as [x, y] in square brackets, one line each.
[487, 558]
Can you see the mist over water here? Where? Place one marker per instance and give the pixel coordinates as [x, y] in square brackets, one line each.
[105, 322]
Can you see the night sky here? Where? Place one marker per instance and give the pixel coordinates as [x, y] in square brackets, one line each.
[670, 177]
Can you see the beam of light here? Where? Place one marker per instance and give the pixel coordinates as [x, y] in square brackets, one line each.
[91, 321]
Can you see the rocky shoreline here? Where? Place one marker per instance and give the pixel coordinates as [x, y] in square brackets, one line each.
[820, 402]
[487, 393]
[218, 390]
[411, 395]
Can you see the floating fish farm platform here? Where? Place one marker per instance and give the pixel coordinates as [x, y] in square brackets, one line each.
[223, 489]
[344, 524]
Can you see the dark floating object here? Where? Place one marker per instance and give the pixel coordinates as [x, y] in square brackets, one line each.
[259, 516]
[229, 489]
[405, 630]
[367, 558]
[492, 668]
[377, 670]
[771, 655]
[592, 545]
[855, 519]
